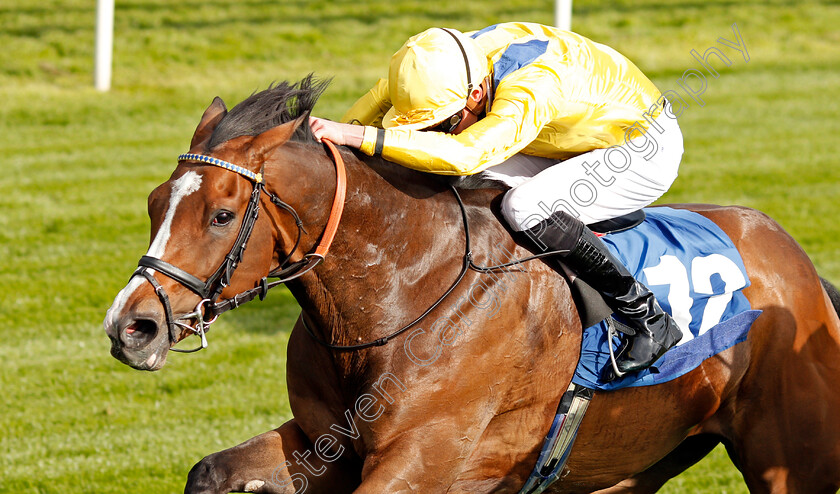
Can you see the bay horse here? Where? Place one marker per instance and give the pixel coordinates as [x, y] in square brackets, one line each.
[462, 401]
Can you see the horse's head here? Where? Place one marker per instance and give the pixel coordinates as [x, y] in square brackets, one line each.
[202, 220]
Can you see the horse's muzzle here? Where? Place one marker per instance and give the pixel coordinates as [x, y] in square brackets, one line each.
[139, 342]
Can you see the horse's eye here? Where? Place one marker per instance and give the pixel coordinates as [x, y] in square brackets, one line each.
[223, 218]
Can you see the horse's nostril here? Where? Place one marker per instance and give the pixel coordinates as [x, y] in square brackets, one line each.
[140, 332]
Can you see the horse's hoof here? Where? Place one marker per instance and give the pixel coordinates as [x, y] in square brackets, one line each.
[205, 478]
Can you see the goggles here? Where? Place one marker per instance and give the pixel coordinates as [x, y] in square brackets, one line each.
[449, 125]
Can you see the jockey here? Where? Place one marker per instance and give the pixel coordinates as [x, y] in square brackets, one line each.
[572, 127]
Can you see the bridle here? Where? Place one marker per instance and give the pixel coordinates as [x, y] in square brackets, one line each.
[210, 290]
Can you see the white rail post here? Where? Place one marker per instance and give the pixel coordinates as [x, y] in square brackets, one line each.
[563, 14]
[104, 44]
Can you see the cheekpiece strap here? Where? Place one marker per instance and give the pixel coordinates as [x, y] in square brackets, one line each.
[254, 177]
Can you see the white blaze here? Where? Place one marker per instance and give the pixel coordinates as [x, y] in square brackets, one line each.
[181, 188]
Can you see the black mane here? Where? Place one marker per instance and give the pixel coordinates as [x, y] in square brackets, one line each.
[280, 103]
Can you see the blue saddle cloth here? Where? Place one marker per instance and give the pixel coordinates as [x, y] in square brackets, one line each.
[697, 276]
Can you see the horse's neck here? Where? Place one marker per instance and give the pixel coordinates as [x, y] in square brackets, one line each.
[400, 245]
[399, 248]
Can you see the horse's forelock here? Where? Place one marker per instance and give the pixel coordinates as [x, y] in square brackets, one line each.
[280, 103]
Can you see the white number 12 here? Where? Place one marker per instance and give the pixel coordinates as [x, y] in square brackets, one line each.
[670, 271]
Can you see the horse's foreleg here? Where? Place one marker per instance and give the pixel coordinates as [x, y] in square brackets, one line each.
[425, 461]
[276, 462]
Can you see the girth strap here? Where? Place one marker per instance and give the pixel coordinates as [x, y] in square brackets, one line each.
[558, 443]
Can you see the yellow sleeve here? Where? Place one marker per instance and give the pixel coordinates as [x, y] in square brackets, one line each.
[523, 104]
[370, 108]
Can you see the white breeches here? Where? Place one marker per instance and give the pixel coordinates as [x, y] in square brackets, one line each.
[594, 186]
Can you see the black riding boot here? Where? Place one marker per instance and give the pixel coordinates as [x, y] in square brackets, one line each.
[588, 257]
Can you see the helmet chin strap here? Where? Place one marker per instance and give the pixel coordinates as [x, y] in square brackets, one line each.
[472, 106]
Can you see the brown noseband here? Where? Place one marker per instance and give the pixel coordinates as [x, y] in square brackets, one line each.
[211, 289]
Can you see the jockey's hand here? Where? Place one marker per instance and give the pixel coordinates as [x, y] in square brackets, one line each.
[339, 133]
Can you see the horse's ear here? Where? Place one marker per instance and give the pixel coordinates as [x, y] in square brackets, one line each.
[212, 115]
[271, 139]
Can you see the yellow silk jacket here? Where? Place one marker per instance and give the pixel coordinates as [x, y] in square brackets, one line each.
[555, 94]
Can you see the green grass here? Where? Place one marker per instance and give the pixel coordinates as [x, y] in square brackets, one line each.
[77, 166]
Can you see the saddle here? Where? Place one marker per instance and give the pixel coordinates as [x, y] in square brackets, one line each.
[672, 250]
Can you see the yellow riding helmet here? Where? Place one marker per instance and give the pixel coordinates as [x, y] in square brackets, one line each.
[431, 77]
